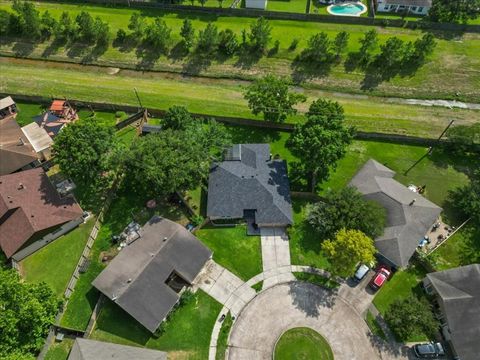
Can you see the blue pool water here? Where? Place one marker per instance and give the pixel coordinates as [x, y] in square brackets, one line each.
[347, 9]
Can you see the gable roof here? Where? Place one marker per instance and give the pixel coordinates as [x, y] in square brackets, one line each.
[407, 222]
[30, 204]
[15, 149]
[85, 349]
[459, 290]
[248, 179]
[135, 279]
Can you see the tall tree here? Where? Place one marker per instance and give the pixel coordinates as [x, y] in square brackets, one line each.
[466, 199]
[464, 139]
[66, 27]
[228, 43]
[260, 35]
[422, 49]
[81, 150]
[347, 249]
[177, 118]
[102, 32]
[208, 39]
[319, 143]
[346, 208]
[137, 25]
[326, 108]
[29, 22]
[271, 97]
[454, 11]
[187, 32]
[48, 24]
[340, 43]
[26, 313]
[157, 34]
[391, 53]
[318, 49]
[86, 27]
[369, 44]
[411, 316]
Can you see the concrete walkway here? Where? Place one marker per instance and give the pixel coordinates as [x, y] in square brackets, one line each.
[275, 256]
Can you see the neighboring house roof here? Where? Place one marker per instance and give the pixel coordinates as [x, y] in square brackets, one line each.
[249, 179]
[51, 123]
[37, 136]
[136, 277]
[407, 222]
[85, 349]
[29, 204]
[422, 3]
[15, 150]
[459, 290]
[6, 102]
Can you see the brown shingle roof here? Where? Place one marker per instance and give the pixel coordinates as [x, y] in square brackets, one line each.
[14, 153]
[30, 204]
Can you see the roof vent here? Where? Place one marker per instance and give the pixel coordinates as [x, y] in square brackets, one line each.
[129, 281]
[412, 202]
[20, 186]
[165, 238]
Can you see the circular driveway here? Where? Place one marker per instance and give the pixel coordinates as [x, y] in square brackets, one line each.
[299, 304]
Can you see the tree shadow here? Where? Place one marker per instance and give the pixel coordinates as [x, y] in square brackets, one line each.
[179, 51]
[389, 347]
[297, 176]
[303, 70]
[24, 49]
[148, 57]
[127, 45]
[247, 58]
[77, 49]
[198, 62]
[53, 47]
[95, 52]
[308, 297]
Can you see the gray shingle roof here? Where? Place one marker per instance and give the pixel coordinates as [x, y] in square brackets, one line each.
[249, 179]
[406, 223]
[459, 290]
[135, 279]
[84, 349]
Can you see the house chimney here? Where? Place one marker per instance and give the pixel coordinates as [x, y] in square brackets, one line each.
[412, 202]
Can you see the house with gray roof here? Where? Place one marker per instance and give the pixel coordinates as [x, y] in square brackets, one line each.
[85, 349]
[457, 294]
[416, 7]
[249, 184]
[409, 215]
[147, 277]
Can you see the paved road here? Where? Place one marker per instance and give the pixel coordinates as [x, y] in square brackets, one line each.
[296, 304]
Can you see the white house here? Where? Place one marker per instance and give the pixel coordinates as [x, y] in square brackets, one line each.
[416, 7]
[256, 4]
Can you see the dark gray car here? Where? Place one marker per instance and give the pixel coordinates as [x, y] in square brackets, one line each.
[429, 350]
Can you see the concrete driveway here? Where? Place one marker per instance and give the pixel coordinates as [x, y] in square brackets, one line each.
[299, 304]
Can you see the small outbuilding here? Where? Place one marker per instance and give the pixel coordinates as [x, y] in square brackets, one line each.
[7, 107]
[40, 140]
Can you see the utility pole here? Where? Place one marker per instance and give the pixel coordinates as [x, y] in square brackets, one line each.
[138, 97]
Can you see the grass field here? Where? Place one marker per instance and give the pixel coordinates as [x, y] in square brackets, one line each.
[54, 264]
[295, 6]
[212, 97]
[233, 249]
[222, 342]
[302, 343]
[59, 351]
[456, 54]
[186, 336]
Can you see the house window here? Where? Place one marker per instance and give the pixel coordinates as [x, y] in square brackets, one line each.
[401, 7]
[414, 8]
[386, 7]
[420, 9]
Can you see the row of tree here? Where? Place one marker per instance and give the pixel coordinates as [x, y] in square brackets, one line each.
[26, 21]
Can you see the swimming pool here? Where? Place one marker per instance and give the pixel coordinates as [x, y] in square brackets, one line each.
[347, 9]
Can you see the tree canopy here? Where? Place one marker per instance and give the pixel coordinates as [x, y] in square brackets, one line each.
[321, 141]
[177, 118]
[260, 34]
[347, 249]
[271, 97]
[346, 208]
[27, 311]
[466, 199]
[81, 150]
[411, 316]
[454, 11]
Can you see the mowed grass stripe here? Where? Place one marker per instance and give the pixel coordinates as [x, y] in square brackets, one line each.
[212, 97]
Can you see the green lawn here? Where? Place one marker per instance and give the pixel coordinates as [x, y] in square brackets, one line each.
[54, 264]
[374, 326]
[196, 199]
[457, 58]
[26, 112]
[186, 336]
[295, 6]
[85, 296]
[305, 246]
[400, 286]
[302, 343]
[214, 97]
[222, 342]
[233, 249]
[59, 350]
[316, 279]
[463, 248]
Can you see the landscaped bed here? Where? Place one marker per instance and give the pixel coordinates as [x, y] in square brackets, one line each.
[186, 335]
[233, 249]
[302, 343]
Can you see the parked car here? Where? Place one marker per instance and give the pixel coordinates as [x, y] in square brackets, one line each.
[361, 272]
[382, 274]
[428, 350]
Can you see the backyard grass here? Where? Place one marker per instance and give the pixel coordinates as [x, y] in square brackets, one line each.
[403, 284]
[26, 112]
[463, 248]
[54, 264]
[233, 249]
[120, 214]
[186, 334]
[214, 97]
[458, 58]
[302, 343]
[59, 350]
[316, 279]
[375, 328]
[222, 342]
[294, 6]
